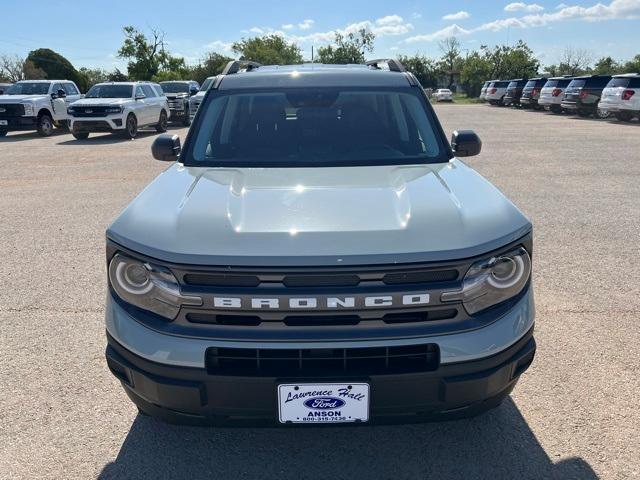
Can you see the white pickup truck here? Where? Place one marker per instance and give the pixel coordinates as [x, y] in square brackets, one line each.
[37, 105]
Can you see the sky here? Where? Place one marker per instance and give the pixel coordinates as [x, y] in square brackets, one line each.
[89, 32]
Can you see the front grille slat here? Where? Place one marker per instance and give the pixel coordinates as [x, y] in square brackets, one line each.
[323, 362]
[11, 110]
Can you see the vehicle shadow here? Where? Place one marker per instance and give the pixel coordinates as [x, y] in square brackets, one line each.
[106, 139]
[496, 445]
[30, 135]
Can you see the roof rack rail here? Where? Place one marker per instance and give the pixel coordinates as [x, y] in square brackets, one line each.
[393, 64]
[234, 66]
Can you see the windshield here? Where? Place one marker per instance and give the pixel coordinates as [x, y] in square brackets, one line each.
[175, 87]
[312, 127]
[28, 88]
[206, 84]
[110, 91]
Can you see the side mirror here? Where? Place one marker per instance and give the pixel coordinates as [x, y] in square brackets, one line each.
[62, 93]
[465, 143]
[141, 96]
[166, 148]
[193, 91]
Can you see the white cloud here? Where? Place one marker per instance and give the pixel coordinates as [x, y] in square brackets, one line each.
[561, 5]
[461, 15]
[219, 45]
[288, 26]
[521, 6]
[450, 31]
[391, 25]
[257, 30]
[306, 24]
[416, 15]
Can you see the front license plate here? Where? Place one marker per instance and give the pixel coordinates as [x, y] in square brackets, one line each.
[4, 122]
[323, 403]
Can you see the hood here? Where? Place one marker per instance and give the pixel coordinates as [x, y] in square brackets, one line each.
[100, 101]
[21, 98]
[318, 216]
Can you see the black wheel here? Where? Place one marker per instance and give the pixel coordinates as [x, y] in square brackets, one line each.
[162, 123]
[555, 109]
[602, 113]
[131, 127]
[186, 121]
[624, 116]
[80, 135]
[3, 133]
[63, 125]
[45, 125]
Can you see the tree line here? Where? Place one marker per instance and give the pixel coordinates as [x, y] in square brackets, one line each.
[148, 58]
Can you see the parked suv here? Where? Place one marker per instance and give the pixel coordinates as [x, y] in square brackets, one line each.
[531, 92]
[178, 94]
[621, 96]
[4, 87]
[582, 95]
[317, 254]
[514, 91]
[552, 93]
[195, 100]
[121, 107]
[37, 105]
[496, 91]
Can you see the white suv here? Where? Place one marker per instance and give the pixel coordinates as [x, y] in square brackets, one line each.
[196, 100]
[37, 105]
[621, 97]
[121, 107]
[496, 91]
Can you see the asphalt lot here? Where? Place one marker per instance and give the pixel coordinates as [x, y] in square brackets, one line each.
[574, 414]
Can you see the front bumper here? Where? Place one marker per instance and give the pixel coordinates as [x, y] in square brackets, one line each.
[97, 124]
[18, 123]
[166, 375]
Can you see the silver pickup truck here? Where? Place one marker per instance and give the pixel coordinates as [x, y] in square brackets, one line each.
[317, 253]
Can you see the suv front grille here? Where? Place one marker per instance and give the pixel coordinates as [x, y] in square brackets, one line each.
[89, 111]
[322, 362]
[11, 110]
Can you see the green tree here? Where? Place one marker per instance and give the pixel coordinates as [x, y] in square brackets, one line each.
[476, 69]
[633, 65]
[348, 48]
[573, 61]
[147, 54]
[424, 68]
[55, 66]
[212, 64]
[93, 76]
[511, 61]
[117, 76]
[268, 50]
[15, 68]
[607, 66]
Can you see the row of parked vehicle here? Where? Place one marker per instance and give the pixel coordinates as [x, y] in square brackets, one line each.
[598, 95]
[118, 107]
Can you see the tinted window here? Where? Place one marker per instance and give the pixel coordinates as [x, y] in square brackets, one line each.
[139, 92]
[148, 91]
[309, 127]
[618, 82]
[513, 85]
[56, 87]
[28, 88]
[158, 90]
[598, 82]
[175, 87]
[206, 84]
[564, 83]
[70, 89]
[578, 83]
[109, 91]
[502, 84]
[634, 82]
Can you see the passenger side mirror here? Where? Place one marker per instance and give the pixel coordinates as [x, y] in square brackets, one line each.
[166, 148]
[193, 91]
[465, 143]
[59, 94]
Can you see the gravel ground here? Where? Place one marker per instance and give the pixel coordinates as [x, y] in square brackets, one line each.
[573, 415]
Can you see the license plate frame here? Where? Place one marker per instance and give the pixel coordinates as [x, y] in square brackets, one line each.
[322, 403]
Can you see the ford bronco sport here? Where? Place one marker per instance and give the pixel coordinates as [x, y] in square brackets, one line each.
[317, 253]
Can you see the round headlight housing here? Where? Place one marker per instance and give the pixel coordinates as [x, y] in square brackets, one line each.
[148, 286]
[492, 281]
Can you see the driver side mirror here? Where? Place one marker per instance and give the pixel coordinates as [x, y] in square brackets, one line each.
[193, 91]
[59, 94]
[465, 143]
[141, 96]
[166, 148]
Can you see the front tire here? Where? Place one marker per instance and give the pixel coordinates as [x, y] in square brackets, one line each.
[3, 133]
[44, 125]
[161, 127]
[130, 127]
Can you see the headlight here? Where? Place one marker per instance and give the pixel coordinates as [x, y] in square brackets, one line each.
[113, 109]
[492, 281]
[148, 286]
[28, 109]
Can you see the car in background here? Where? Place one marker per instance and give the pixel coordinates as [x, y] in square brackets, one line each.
[120, 107]
[583, 94]
[621, 96]
[552, 92]
[496, 91]
[531, 92]
[37, 105]
[178, 93]
[443, 95]
[4, 87]
[196, 100]
[485, 87]
[514, 91]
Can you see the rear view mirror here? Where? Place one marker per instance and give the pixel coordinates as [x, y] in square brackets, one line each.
[465, 143]
[166, 148]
